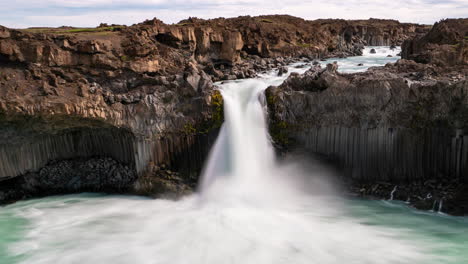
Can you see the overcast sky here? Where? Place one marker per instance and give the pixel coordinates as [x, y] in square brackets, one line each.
[90, 13]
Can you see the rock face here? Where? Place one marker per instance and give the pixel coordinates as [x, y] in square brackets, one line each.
[135, 107]
[402, 125]
[445, 45]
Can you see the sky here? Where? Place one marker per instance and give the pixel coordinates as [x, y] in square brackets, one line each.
[90, 13]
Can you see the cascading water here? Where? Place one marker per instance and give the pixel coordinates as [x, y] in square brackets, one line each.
[393, 192]
[249, 209]
[243, 151]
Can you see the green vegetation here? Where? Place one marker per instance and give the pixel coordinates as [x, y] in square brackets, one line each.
[304, 45]
[73, 30]
[278, 129]
[267, 21]
[125, 58]
[184, 24]
[455, 47]
[218, 109]
[45, 123]
[100, 29]
[217, 117]
[189, 129]
[279, 133]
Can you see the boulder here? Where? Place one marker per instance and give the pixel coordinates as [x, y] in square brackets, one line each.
[282, 70]
[332, 67]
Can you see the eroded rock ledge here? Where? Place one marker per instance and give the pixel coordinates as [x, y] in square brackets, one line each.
[134, 109]
[405, 124]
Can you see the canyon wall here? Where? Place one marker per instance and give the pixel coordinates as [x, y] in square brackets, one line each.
[403, 124]
[444, 45]
[134, 109]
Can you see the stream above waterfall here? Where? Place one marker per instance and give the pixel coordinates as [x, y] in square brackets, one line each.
[249, 208]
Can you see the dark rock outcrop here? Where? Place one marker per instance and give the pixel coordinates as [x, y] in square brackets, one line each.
[142, 96]
[403, 124]
[445, 45]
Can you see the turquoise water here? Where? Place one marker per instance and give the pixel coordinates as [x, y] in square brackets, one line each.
[50, 230]
[448, 235]
[261, 217]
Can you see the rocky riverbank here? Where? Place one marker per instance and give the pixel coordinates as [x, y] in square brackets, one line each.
[133, 109]
[402, 125]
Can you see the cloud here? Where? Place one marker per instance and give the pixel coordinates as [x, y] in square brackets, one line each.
[26, 13]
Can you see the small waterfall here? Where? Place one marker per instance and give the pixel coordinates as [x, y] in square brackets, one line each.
[440, 206]
[393, 192]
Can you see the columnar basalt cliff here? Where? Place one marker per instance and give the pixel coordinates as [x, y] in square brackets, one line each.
[402, 125]
[134, 109]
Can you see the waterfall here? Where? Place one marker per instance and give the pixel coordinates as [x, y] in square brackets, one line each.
[243, 152]
[250, 208]
[393, 192]
[440, 206]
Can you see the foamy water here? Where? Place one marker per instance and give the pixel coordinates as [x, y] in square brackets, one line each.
[249, 209]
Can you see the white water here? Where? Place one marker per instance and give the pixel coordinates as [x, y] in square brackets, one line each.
[350, 64]
[393, 192]
[250, 209]
[440, 206]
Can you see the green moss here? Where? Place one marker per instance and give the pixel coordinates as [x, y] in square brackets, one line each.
[218, 109]
[125, 58]
[189, 129]
[216, 120]
[217, 114]
[271, 100]
[49, 123]
[304, 45]
[279, 129]
[279, 132]
[456, 45]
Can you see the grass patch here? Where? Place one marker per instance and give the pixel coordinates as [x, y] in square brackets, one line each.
[125, 58]
[73, 30]
[304, 45]
[184, 24]
[455, 46]
[99, 29]
[264, 20]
